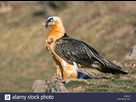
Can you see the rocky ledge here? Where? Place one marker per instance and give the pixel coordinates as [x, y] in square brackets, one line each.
[91, 80]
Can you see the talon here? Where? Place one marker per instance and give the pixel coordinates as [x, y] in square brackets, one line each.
[62, 81]
[60, 78]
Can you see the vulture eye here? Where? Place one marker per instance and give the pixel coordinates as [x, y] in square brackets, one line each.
[51, 19]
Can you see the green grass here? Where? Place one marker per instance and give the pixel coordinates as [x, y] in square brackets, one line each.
[98, 88]
[117, 76]
[113, 84]
[116, 90]
[134, 86]
[103, 86]
[128, 89]
[133, 72]
[114, 78]
[95, 90]
[74, 84]
[117, 85]
[121, 82]
[129, 62]
[125, 61]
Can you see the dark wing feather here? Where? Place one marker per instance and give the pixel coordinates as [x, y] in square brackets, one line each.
[74, 50]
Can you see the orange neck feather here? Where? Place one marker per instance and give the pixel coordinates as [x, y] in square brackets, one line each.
[56, 31]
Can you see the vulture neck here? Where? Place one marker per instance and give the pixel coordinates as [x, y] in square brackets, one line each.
[57, 30]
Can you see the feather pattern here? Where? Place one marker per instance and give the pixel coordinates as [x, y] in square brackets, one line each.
[72, 50]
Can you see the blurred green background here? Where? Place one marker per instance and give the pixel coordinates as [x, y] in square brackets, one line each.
[23, 58]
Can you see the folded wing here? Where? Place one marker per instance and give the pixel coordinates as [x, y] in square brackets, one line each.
[72, 50]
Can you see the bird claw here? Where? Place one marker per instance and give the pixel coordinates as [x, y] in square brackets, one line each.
[61, 79]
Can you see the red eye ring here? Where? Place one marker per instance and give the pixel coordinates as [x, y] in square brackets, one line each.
[51, 19]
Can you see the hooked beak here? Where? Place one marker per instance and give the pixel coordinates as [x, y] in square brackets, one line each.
[45, 24]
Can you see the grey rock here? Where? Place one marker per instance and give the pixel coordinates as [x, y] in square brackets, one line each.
[117, 63]
[77, 89]
[62, 88]
[132, 54]
[133, 50]
[39, 86]
[125, 64]
[52, 85]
